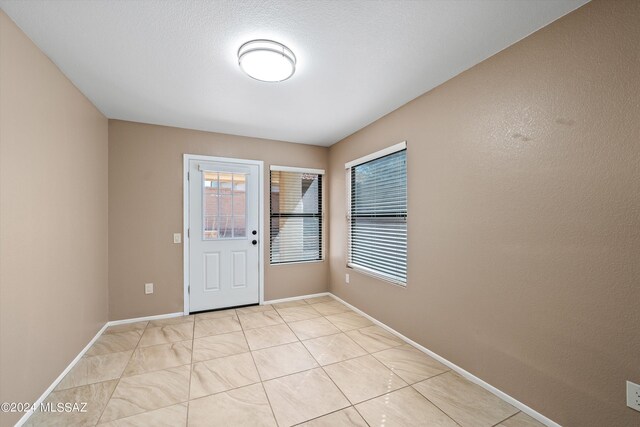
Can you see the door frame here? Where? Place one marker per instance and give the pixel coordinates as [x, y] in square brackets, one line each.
[185, 217]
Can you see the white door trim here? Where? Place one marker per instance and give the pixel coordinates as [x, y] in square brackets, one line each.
[185, 219]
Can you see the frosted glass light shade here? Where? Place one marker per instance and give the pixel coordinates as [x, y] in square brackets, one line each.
[266, 60]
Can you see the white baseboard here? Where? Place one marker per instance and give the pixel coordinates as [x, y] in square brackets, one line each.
[55, 383]
[277, 301]
[145, 318]
[502, 395]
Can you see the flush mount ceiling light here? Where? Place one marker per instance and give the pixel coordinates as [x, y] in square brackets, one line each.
[266, 60]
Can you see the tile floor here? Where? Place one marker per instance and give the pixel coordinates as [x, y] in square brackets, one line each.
[311, 362]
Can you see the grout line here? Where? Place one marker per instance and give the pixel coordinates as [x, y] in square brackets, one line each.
[215, 335]
[255, 365]
[150, 410]
[431, 377]
[264, 390]
[198, 318]
[508, 418]
[120, 377]
[362, 416]
[386, 392]
[221, 391]
[141, 347]
[95, 382]
[336, 386]
[156, 370]
[402, 388]
[433, 403]
[193, 337]
[275, 345]
[327, 414]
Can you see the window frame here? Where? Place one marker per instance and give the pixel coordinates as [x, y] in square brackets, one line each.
[402, 146]
[319, 215]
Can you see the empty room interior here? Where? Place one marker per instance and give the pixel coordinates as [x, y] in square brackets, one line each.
[320, 213]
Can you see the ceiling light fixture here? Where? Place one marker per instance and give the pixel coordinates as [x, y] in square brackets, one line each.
[266, 60]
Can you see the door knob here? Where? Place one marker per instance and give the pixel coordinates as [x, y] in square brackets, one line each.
[254, 242]
[254, 232]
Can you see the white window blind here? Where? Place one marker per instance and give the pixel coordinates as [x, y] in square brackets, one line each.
[378, 215]
[296, 215]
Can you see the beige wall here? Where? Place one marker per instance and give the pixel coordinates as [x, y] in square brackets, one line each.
[53, 220]
[145, 209]
[524, 218]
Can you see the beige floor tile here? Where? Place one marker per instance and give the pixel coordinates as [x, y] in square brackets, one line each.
[260, 320]
[345, 418]
[166, 334]
[521, 420]
[146, 392]
[219, 346]
[157, 357]
[300, 397]
[94, 369]
[171, 321]
[332, 307]
[374, 338]
[317, 300]
[283, 360]
[171, 416]
[333, 348]
[404, 407]
[294, 314]
[222, 374]
[410, 364]
[467, 403]
[269, 336]
[363, 378]
[313, 328]
[348, 321]
[95, 395]
[289, 304]
[126, 327]
[246, 406]
[116, 342]
[219, 314]
[218, 326]
[254, 309]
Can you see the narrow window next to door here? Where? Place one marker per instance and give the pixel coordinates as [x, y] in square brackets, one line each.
[296, 215]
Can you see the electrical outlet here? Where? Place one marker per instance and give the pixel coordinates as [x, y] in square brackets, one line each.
[346, 278]
[633, 396]
[148, 288]
[177, 237]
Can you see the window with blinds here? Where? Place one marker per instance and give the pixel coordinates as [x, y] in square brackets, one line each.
[378, 214]
[296, 215]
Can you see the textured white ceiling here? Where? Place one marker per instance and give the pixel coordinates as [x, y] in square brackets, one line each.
[174, 62]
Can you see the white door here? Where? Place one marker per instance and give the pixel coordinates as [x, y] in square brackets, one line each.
[223, 234]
